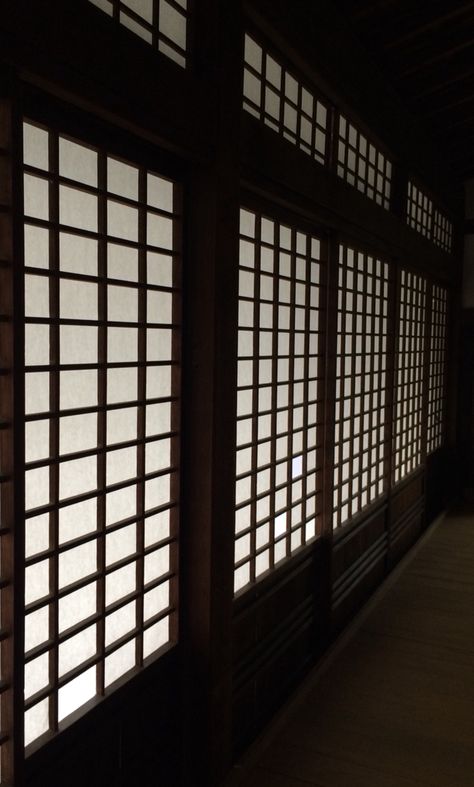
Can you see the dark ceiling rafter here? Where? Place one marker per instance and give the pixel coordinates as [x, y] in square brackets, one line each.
[459, 123]
[369, 9]
[454, 79]
[444, 55]
[441, 108]
[426, 49]
[433, 24]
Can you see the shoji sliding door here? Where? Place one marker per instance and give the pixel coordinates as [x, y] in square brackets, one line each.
[361, 383]
[280, 392]
[102, 389]
[408, 448]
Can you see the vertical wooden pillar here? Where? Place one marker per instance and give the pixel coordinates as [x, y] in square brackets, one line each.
[399, 190]
[426, 391]
[453, 386]
[330, 355]
[393, 359]
[209, 406]
[391, 378]
[11, 440]
[462, 354]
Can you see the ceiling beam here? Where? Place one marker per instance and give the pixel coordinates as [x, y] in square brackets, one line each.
[445, 55]
[456, 133]
[372, 8]
[444, 106]
[454, 79]
[429, 26]
[461, 155]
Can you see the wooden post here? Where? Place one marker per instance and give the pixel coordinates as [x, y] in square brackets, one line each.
[209, 406]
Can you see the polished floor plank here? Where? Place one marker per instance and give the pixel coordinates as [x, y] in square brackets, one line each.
[261, 777]
[326, 770]
[394, 708]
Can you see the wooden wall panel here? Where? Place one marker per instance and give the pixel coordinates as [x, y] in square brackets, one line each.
[404, 534]
[465, 415]
[363, 557]
[440, 482]
[276, 637]
[256, 701]
[134, 738]
[405, 495]
[358, 566]
[407, 507]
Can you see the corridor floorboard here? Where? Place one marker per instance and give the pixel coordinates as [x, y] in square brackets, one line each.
[394, 708]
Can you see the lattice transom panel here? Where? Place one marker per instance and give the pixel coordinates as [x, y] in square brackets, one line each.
[363, 165]
[273, 95]
[161, 23]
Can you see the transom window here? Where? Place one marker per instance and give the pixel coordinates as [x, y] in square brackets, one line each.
[419, 210]
[161, 23]
[429, 221]
[442, 231]
[363, 165]
[272, 94]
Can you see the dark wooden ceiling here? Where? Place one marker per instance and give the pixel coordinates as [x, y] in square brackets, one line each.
[426, 49]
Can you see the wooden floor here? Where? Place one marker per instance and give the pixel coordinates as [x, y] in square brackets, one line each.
[395, 706]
